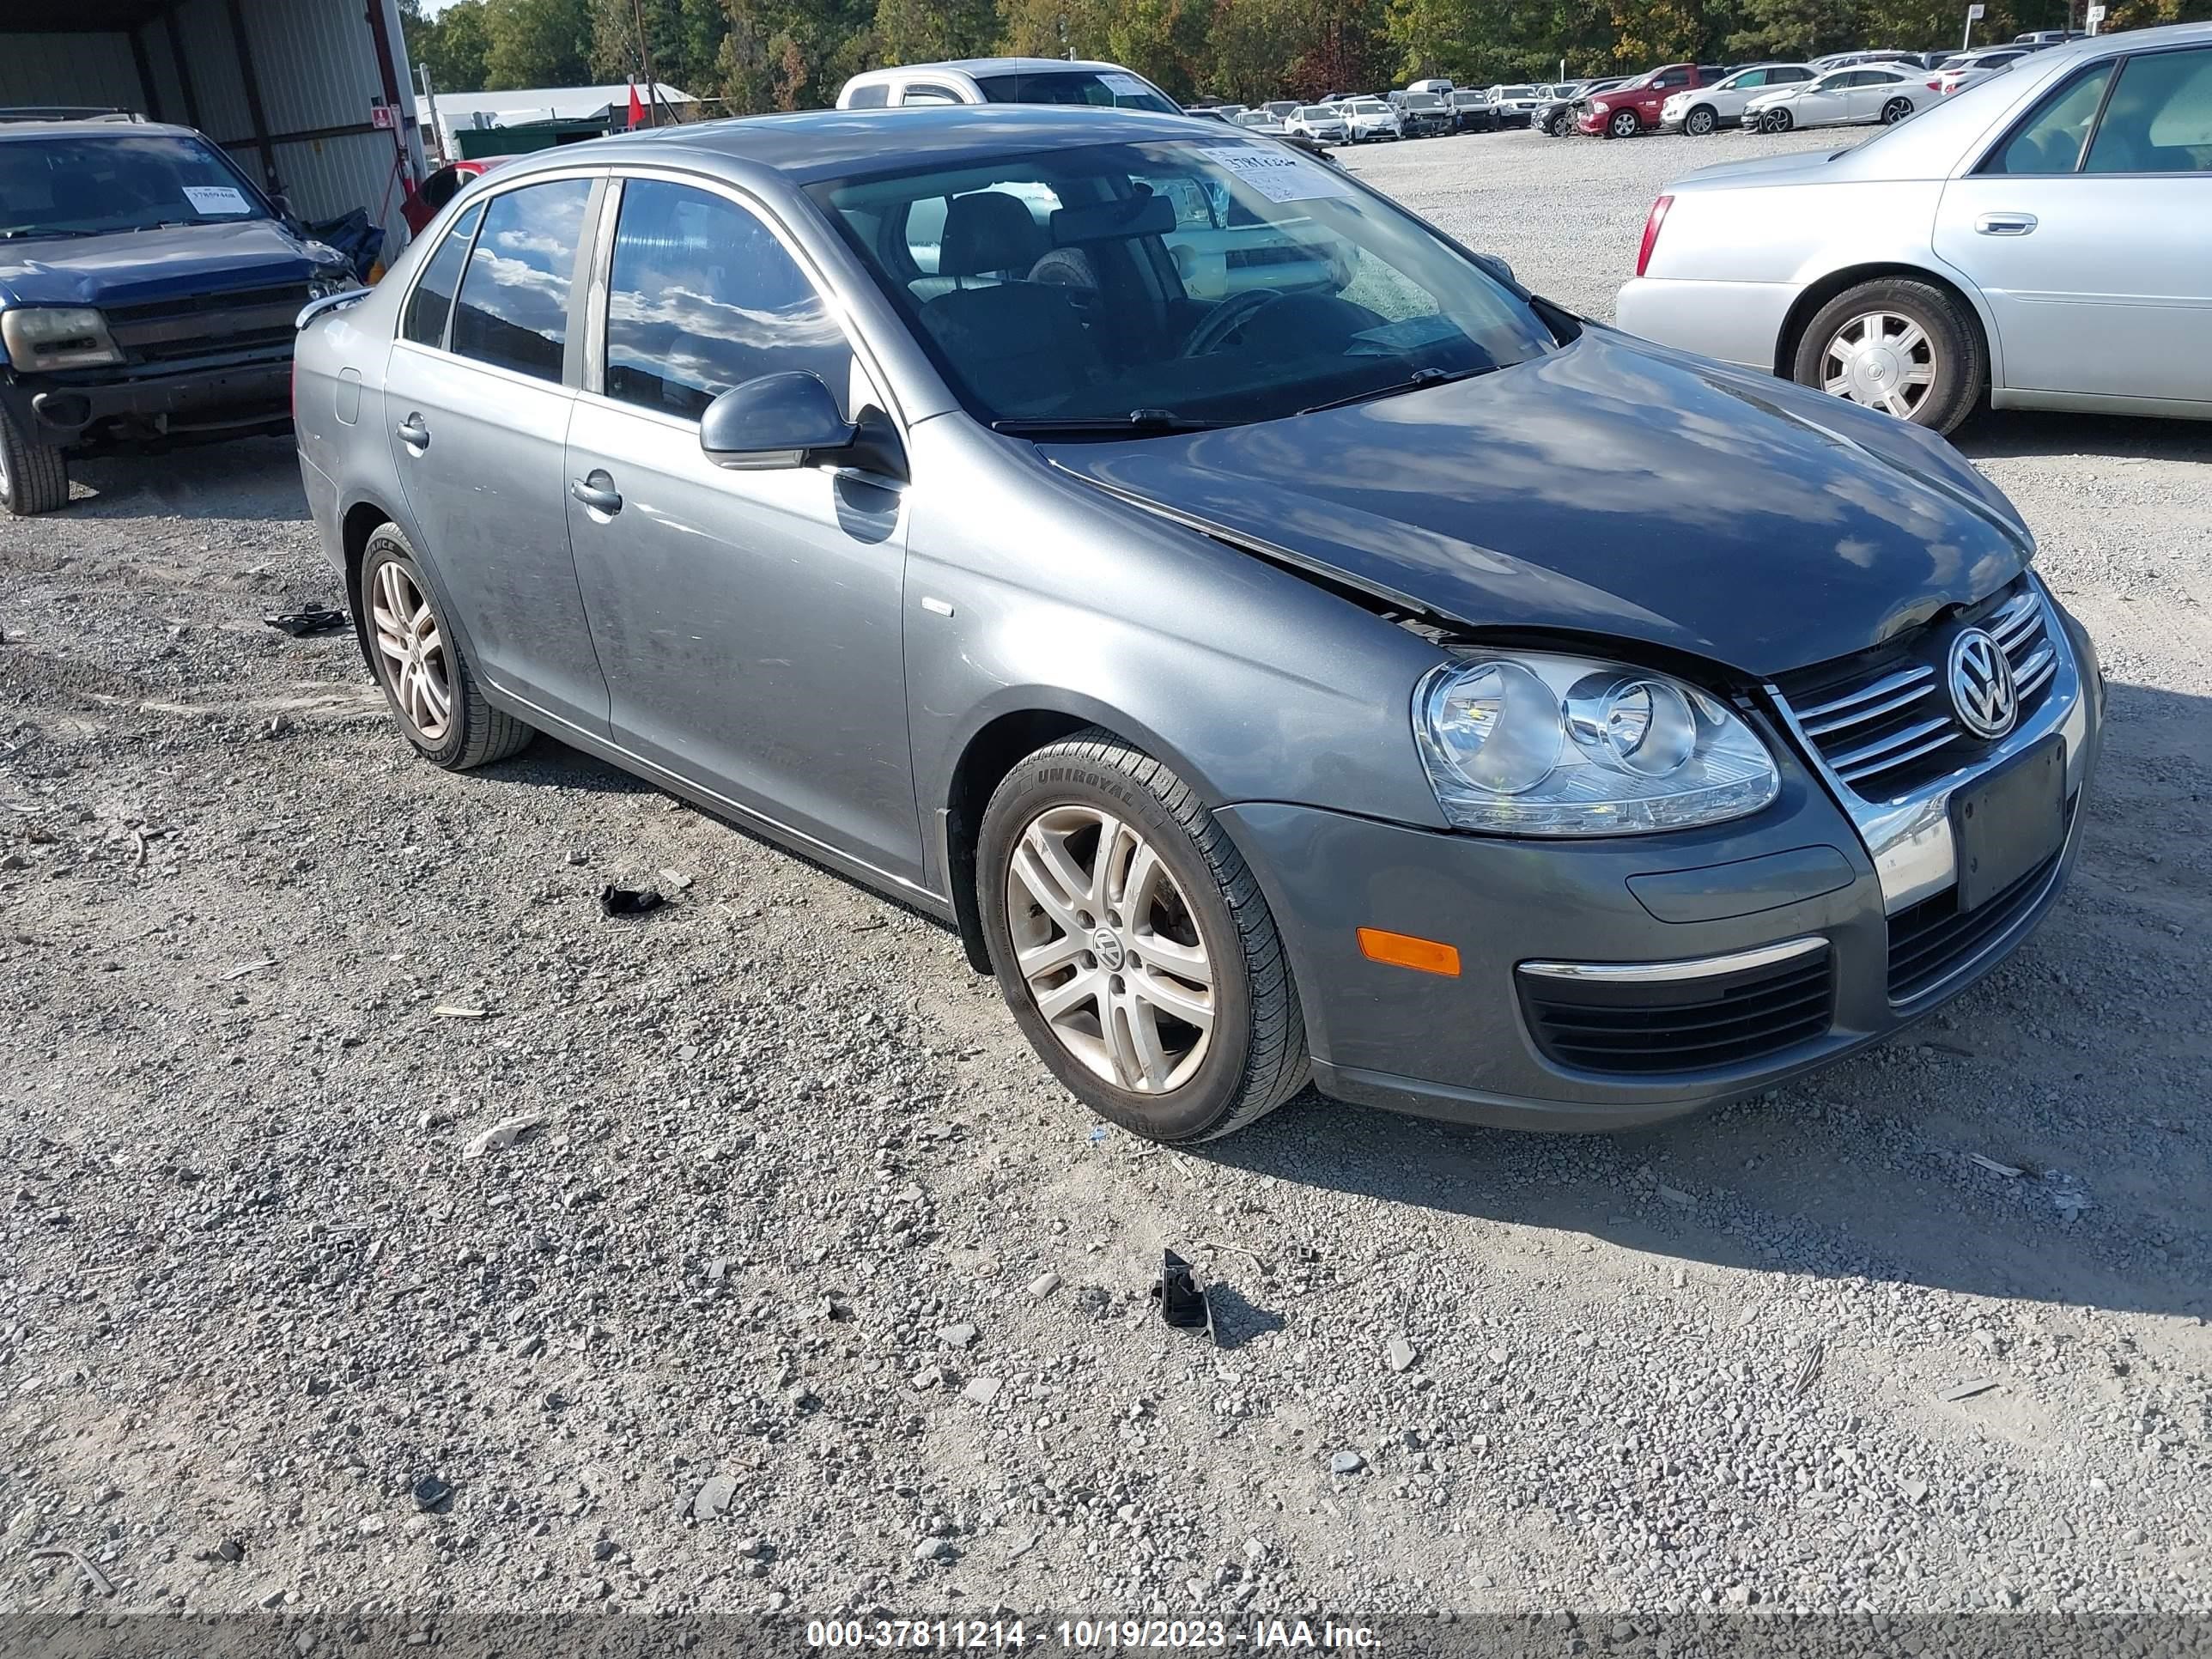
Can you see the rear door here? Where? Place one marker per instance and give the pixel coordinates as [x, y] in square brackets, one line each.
[2088, 227]
[476, 398]
[750, 622]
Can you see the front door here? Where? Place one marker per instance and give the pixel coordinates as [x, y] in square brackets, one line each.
[2089, 230]
[750, 623]
[478, 416]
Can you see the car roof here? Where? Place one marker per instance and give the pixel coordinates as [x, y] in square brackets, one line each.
[835, 143]
[994, 66]
[94, 128]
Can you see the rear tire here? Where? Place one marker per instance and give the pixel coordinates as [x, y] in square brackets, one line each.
[418, 661]
[1895, 111]
[1700, 121]
[1924, 327]
[1173, 920]
[34, 478]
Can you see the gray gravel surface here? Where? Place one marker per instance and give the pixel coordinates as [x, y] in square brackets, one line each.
[740, 1256]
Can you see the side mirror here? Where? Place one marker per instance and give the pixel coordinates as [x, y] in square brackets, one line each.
[1498, 268]
[792, 420]
[775, 421]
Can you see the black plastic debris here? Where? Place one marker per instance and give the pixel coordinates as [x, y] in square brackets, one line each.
[300, 623]
[630, 901]
[1183, 1300]
[430, 1492]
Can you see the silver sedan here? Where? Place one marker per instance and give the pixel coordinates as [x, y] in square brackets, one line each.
[2043, 240]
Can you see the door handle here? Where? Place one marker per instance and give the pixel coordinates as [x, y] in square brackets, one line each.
[2005, 224]
[597, 491]
[414, 433]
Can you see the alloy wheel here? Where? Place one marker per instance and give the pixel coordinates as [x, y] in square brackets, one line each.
[1700, 122]
[414, 652]
[1624, 125]
[1881, 359]
[1895, 111]
[1105, 942]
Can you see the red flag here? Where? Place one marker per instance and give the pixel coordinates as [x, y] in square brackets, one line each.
[636, 109]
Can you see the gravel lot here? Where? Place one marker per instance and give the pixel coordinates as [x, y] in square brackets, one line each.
[810, 1290]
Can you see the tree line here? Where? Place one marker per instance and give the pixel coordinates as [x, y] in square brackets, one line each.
[754, 56]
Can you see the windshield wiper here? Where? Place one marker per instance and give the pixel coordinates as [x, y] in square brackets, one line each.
[1136, 422]
[1416, 381]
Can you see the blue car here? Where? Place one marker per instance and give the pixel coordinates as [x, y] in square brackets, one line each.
[148, 291]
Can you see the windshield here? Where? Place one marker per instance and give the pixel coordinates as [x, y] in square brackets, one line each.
[1107, 88]
[1516, 92]
[1423, 101]
[1317, 112]
[89, 183]
[1110, 289]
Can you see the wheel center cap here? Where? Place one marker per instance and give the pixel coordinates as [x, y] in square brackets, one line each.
[1110, 954]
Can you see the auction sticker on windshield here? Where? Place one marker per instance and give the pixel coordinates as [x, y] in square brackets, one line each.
[216, 198]
[1285, 177]
[1125, 85]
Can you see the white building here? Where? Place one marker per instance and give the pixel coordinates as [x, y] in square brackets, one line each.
[457, 110]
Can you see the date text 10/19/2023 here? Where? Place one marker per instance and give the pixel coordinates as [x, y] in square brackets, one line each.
[1088, 1635]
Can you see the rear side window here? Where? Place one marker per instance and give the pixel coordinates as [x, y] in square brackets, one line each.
[2160, 119]
[425, 320]
[927, 94]
[1784, 77]
[700, 297]
[874, 97]
[514, 307]
[2052, 139]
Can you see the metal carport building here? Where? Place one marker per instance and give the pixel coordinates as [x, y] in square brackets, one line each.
[312, 97]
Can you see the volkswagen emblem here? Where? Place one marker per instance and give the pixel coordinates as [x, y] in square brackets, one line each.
[1982, 689]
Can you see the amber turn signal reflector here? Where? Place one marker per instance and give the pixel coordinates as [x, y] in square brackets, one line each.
[1424, 956]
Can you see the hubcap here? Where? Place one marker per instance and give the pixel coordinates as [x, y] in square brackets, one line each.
[414, 652]
[1882, 360]
[1105, 942]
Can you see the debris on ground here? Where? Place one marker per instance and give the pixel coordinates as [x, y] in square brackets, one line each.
[429, 1492]
[630, 901]
[1183, 1300]
[300, 623]
[1967, 1390]
[503, 1135]
[92, 1576]
[2007, 1170]
[1399, 1355]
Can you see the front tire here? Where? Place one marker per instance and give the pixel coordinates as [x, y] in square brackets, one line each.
[417, 660]
[1133, 945]
[1904, 347]
[1623, 123]
[1777, 120]
[1700, 122]
[34, 478]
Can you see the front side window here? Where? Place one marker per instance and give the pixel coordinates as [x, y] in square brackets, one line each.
[916, 96]
[1213, 282]
[424, 322]
[2052, 139]
[2160, 119]
[702, 297]
[513, 305]
[96, 183]
[1743, 82]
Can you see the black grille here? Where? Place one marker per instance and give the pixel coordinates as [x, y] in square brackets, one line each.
[1883, 719]
[194, 325]
[1931, 941]
[1648, 1028]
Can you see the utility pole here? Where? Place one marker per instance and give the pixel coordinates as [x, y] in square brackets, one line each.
[644, 58]
[431, 108]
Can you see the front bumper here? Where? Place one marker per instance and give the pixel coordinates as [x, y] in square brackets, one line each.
[1693, 918]
[219, 398]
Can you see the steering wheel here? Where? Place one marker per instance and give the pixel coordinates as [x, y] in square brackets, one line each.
[1214, 328]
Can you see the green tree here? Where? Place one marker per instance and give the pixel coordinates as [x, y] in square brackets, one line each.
[916, 31]
[1252, 45]
[453, 47]
[537, 43]
[1052, 28]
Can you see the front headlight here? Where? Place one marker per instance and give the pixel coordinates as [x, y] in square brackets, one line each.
[1599, 106]
[1537, 744]
[40, 337]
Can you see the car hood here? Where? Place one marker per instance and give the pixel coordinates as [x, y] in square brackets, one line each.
[130, 267]
[1611, 489]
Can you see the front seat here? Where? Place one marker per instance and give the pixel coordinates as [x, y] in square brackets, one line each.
[988, 234]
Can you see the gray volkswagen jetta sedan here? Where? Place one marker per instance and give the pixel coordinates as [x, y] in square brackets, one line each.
[1331, 663]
